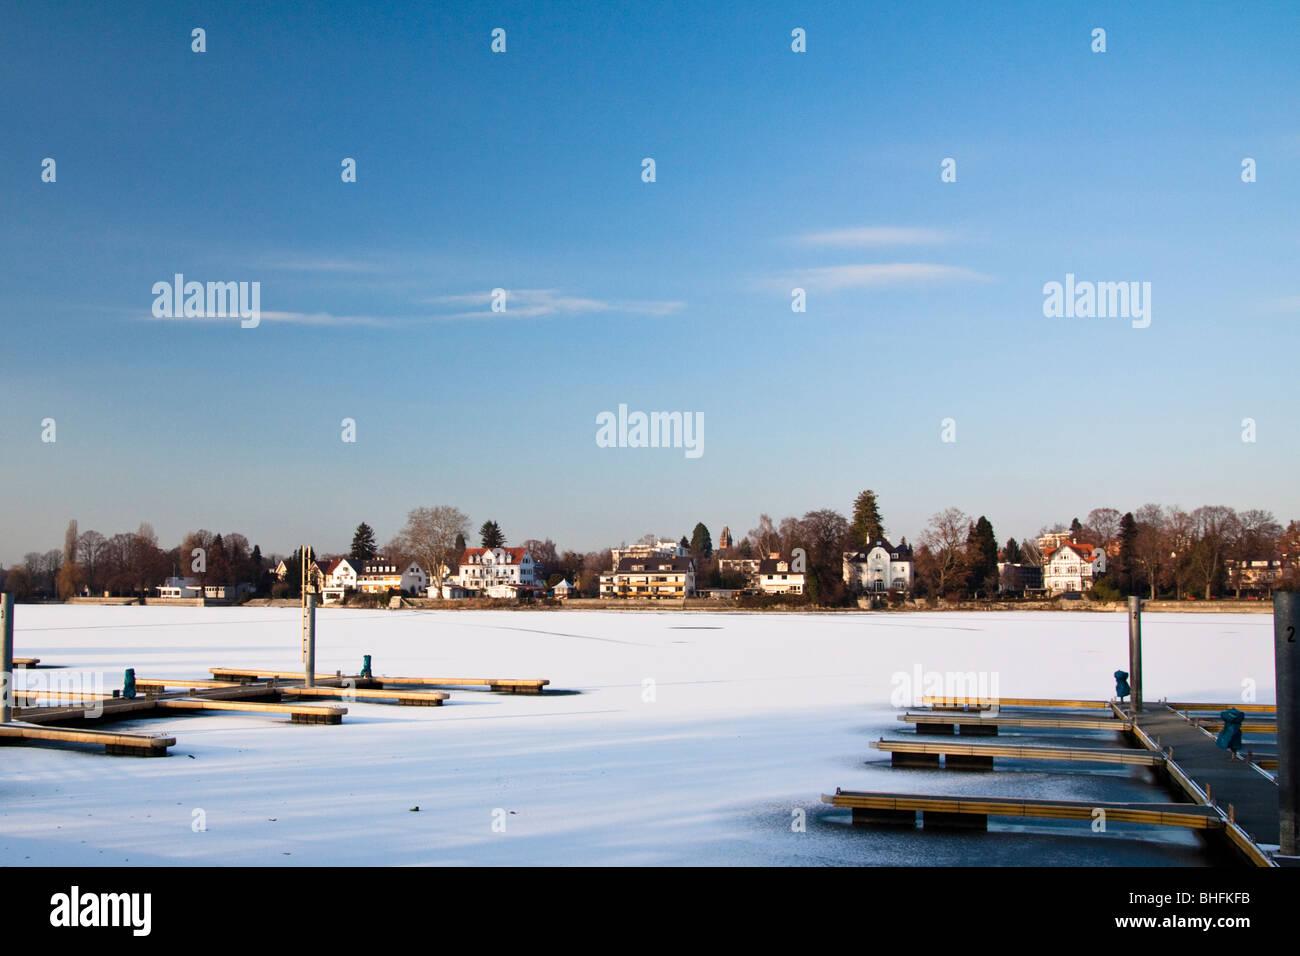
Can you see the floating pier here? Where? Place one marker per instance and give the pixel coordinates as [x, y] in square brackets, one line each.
[973, 812]
[939, 722]
[127, 744]
[507, 685]
[964, 756]
[1227, 795]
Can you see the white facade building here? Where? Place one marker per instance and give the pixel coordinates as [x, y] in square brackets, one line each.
[660, 549]
[483, 568]
[383, 575]
[879, 567]
[337, 577]
[775, 577]
[1072, 567]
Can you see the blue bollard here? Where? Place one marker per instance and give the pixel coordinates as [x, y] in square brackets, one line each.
[128, 683]
[1230, 736]
[1121, 684]
[365, 667]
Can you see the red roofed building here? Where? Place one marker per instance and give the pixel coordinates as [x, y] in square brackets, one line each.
[1072, 567]
[484, 569]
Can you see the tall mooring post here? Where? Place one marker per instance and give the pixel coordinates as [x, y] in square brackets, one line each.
[309, 631]
[307, 590]
[6, 658]
[1286, 661]
[1135, 652]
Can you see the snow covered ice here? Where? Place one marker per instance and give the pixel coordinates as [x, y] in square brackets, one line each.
[665, 738]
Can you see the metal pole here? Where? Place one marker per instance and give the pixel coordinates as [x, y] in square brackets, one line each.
[7, 659]
[1135, 652]
[1286, 661]
[311, 640]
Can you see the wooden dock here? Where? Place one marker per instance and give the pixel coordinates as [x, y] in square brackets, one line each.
[238, 697]
[981, 703]
[973, 812]
[416, 698]
[1206, 773]
[974, 723]
[1219, 708]
[507, 685]
[128, 744]
[1234, 798]
[965, 756]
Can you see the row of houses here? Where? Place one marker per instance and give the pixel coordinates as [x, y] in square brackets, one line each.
[1069, 567]
[480, 572]
[665, 571]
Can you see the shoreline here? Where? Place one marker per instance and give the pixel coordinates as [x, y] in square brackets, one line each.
[706, 605]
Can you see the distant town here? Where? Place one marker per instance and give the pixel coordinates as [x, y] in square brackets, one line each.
[822, 559]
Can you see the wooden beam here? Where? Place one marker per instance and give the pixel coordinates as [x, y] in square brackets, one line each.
[427, 698]
[1188, 816]
[127, 743]
[1003, 720]
[1216, 708]
[301, 713]
[507, 684]
[949, 702]
[1144, 758]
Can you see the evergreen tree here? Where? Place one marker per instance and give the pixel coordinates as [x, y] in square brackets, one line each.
[684, 544]
[218, 562]
[363, 543]
[982, 557]
[1076, 529]
[1013, 554]
[257, 558]
[490, 535]
[867, 524]
[460, 545]
[1126, 565]
[701, 543]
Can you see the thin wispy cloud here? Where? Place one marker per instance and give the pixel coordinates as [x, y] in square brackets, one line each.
[324, 264]
[877, 236]
[520, 304]
[286, 318]
[544, 303]
[880, 274]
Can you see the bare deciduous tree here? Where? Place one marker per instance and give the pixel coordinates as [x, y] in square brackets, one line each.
[945, 537]
[429, 537]
[1103, 525]
[764, 539]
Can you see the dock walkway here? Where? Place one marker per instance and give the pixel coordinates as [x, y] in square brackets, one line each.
[1252, 795]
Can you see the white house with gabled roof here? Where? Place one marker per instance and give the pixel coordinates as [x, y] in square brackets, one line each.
[1072, 567]
[879, 567]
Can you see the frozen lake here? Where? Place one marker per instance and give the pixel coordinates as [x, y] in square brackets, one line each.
[667, 738]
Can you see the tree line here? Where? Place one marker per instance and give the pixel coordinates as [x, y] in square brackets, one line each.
[1154, 551]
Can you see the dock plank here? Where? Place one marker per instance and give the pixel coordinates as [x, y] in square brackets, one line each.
[1252, 795]
[1184, 815]
[955, 747]
[1007, 720]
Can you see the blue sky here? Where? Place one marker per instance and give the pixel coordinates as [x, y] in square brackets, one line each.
[522, 171]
